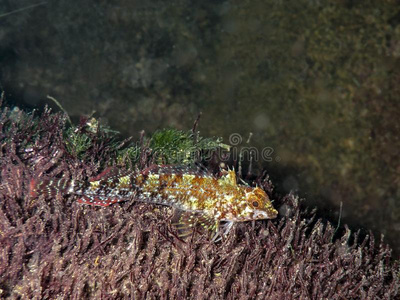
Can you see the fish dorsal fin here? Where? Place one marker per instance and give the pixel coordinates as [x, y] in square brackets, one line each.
[176, 169]
[110, 172]
[186, 221]
[228, 178]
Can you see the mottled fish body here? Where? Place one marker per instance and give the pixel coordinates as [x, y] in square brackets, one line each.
[197, 196]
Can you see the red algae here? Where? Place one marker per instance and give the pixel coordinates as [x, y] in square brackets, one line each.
[55, 248]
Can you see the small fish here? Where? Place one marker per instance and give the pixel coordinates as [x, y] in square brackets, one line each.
[197, 196]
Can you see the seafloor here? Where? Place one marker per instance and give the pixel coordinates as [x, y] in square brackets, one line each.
[55, 248]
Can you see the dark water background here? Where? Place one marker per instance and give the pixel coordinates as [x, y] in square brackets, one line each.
[315, 84]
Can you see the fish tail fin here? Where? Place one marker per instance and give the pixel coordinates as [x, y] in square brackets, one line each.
[50, 187]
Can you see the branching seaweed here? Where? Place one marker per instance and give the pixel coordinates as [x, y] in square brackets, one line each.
[55, 248]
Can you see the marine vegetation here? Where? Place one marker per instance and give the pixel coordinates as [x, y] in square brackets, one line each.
[51, 246]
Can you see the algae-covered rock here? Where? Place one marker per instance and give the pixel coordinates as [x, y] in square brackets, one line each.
[52, 247]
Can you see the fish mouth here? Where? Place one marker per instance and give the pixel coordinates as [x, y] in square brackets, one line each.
[262, 214]
[254, 215]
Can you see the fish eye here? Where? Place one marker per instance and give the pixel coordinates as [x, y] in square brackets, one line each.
[255, 203]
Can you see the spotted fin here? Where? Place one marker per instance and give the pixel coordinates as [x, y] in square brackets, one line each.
[110, 174]
[186, 222]
[175, 169]
[228, 178]
[107, 173]
[49, 187]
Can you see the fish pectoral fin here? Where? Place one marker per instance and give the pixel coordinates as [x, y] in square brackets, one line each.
[185, 222]
[222, 231]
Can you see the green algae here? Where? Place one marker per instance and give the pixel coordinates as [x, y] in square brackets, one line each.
[171, 146]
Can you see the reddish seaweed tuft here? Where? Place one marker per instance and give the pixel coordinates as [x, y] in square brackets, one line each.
[56, 248]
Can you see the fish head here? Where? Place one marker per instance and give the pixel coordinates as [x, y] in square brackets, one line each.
[258, 206]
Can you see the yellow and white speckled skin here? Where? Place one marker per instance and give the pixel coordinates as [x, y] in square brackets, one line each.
[203, 198]
[221, 198]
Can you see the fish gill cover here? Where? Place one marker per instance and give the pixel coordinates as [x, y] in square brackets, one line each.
[56, 248]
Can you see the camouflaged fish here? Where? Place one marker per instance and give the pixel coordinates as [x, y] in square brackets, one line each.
[197, 196]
